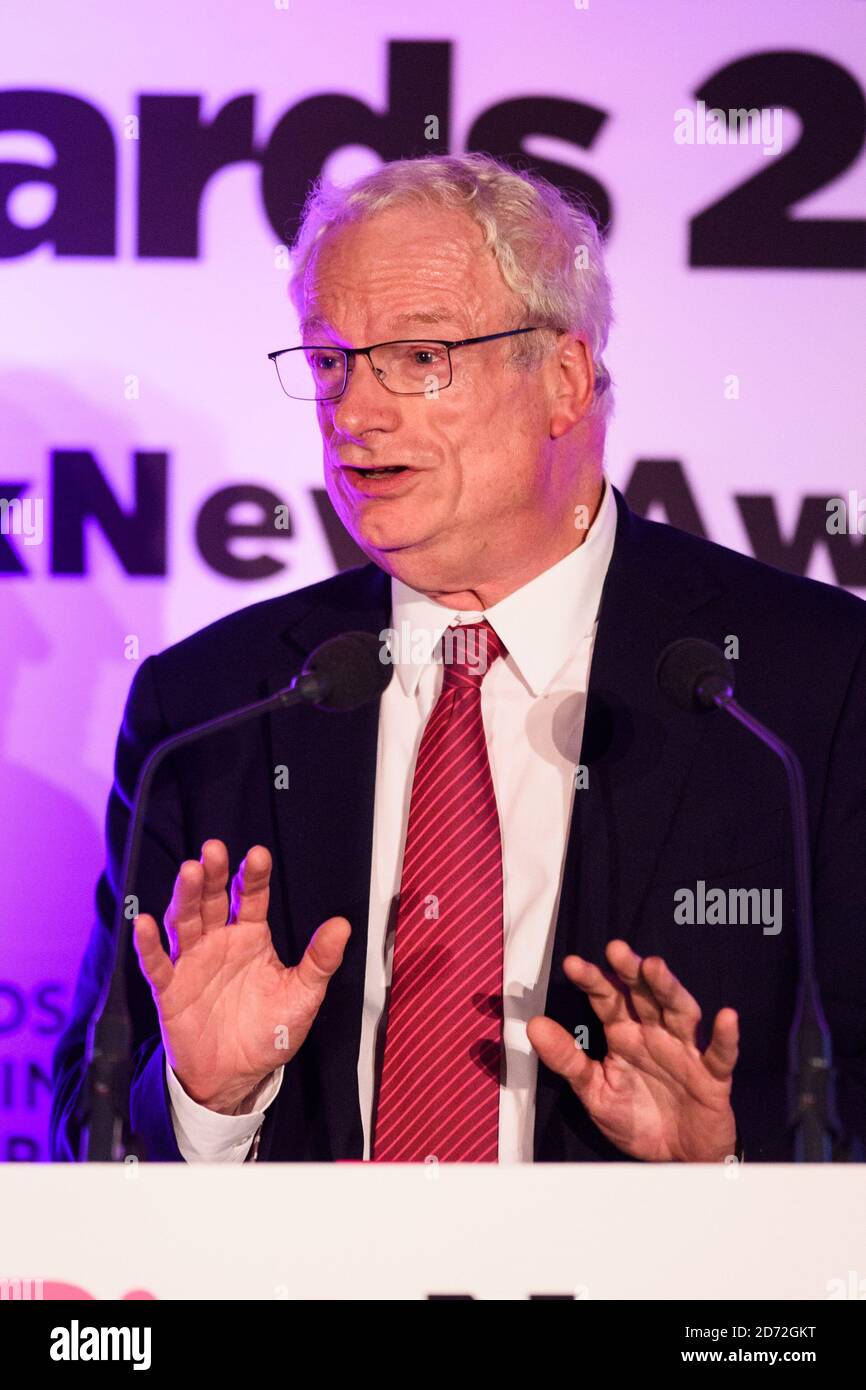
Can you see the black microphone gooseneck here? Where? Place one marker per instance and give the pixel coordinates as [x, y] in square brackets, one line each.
[342, 674]
[695, 675]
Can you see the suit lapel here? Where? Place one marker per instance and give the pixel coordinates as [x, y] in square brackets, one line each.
[324, 823]
[637, 752]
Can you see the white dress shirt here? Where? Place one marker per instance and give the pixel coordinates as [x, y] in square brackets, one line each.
[532, 704]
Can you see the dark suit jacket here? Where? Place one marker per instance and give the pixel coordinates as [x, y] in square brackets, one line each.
[673, 798]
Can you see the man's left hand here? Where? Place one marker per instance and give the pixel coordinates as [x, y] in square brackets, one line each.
[656, 1096]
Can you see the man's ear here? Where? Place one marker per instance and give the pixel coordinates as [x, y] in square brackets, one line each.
[574, 386]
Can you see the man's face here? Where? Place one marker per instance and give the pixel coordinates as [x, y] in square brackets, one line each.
[479, 483]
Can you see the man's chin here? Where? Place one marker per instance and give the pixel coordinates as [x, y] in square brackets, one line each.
[419, 570]
[380, 539]
[394, 553]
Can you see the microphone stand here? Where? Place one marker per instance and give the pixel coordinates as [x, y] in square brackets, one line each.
[103, 1106]
[812, 1113]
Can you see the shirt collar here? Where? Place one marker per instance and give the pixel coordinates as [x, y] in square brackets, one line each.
[539, 623]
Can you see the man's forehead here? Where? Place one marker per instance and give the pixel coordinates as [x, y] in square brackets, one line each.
[441, 287]
[426, 253]
[409, 225]
[430, 316]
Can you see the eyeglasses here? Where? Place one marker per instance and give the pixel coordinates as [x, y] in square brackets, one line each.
[406, 367]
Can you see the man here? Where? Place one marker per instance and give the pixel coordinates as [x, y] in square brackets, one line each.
[454, 929]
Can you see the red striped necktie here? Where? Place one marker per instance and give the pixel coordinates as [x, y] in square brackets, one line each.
[439, 1092]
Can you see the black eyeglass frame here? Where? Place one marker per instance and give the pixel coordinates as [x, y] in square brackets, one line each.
[446, 343]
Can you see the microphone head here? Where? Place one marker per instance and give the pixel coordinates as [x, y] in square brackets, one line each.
[346, 672]
[691, 673]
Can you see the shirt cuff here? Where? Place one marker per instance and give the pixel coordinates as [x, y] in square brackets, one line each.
[205, 1136]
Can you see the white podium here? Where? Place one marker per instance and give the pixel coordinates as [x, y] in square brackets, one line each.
[365, 1231]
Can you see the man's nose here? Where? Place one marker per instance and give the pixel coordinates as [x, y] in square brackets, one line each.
[365, 404]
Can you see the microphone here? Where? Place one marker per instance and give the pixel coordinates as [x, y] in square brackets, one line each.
[342, 674]
[695, 675]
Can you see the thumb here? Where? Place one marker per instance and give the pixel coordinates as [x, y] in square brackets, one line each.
[324, 955]
[559, 1051]
[155, 964]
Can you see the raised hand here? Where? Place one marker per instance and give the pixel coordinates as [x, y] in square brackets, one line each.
[230, 1012]
[656, 1096]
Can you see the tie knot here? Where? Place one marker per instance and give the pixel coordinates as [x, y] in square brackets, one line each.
[467, 653]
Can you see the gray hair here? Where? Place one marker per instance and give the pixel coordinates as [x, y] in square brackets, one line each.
[546, 243]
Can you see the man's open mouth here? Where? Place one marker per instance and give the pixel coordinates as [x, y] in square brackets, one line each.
[379, 472]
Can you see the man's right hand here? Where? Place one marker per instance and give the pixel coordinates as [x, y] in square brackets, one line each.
[230, 1012]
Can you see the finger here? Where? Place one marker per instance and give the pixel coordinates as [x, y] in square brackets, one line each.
[214, 897]
[721, 1056]
[606, 997]
[183, 914]
[681, 1012]
[559, 1051]
[324, 954]
[627, 964]
[251, 886]
[155, 964]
